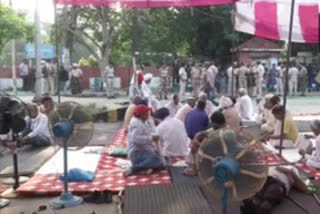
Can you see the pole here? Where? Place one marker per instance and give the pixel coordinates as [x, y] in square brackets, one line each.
[57, 50]
[233, 52]
[287, 74]
[13, 62]
[38, 85]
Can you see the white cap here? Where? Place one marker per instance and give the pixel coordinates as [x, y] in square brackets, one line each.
[147, 76]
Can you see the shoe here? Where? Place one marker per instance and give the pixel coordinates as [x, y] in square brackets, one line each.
[95, 197]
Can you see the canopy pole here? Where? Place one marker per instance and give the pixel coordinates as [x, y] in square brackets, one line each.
[233, 84]
[287, 75]
[57, 50]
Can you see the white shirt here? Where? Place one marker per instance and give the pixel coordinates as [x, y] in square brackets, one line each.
[283, 177]
[211, 75]
[314, 159]
[183, 112]
[245, 107]
[261, 71]
[229, 72]
[173, 109]
[140, 136]
[146, 90]
[210, 108]
[39, 126]
[76, 72]
[183, 74]
[280, 72]
[293, 73]
[109, 72]
[173, 137]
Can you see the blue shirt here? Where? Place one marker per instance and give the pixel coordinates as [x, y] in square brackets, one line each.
[196, 121]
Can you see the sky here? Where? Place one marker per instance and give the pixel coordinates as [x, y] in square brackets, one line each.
[46, 11]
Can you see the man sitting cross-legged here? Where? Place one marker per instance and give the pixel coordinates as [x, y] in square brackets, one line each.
[290, 133]
[218, 123]
[173, 136]
[141, 150]
[37, 132]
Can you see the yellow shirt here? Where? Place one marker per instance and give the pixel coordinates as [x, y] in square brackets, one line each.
[290, 129]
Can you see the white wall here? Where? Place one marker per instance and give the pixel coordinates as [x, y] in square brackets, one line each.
[6, 83]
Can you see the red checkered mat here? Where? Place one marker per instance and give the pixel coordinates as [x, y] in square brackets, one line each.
[108, 176]
[315, 173]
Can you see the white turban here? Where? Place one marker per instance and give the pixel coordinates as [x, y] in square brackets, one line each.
[225, 102]
[147, 76]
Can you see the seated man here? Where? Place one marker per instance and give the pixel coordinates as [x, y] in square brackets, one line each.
[141, 150]
[174, 105]
[37, 131]
[197, 120]
[129, 112]
[279, 183]
[269, 121]
[172, 133]
[47, 105]
[313, 160]
[185, 109]
[245, 105]
[210, 108]
[218, 123]
[230, 113]
[290, 133]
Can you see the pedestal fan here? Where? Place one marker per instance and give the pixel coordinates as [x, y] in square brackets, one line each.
[12, 114]
[72, 127]
[230, 170]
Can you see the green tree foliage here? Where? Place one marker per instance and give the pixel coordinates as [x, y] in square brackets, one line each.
[13, 25]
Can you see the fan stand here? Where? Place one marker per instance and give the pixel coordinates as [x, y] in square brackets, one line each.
[16, 180]
[66, 199]
[224, 171]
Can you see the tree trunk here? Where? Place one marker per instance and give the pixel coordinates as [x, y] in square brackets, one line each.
[103, 63]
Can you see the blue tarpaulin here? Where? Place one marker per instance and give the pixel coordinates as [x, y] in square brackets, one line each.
[47, 51]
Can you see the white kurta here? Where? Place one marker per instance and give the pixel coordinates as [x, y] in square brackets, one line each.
[173, 109]
[314, 159]
[183, 112]
[210, 108]
[146, 90]
[39, 126]
[173, 137]
[245, 108]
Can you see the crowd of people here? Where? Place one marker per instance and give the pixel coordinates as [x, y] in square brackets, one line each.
[155, 135]
[256, 77]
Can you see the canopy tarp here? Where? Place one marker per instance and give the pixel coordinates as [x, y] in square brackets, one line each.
[145, 3]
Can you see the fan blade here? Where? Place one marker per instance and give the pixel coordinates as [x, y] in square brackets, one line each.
[252, 174]
[235, 192]
[243, 152]
[208, 157]
[223, 143]
[208, 181]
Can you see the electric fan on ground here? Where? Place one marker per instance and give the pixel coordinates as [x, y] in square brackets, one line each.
[71, 127]
[230, 169]
[12, 114]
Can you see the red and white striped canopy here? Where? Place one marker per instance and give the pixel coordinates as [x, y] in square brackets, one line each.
[145, 3]
[270, 19]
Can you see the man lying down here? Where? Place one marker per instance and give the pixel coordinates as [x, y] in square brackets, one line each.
[278, 185]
